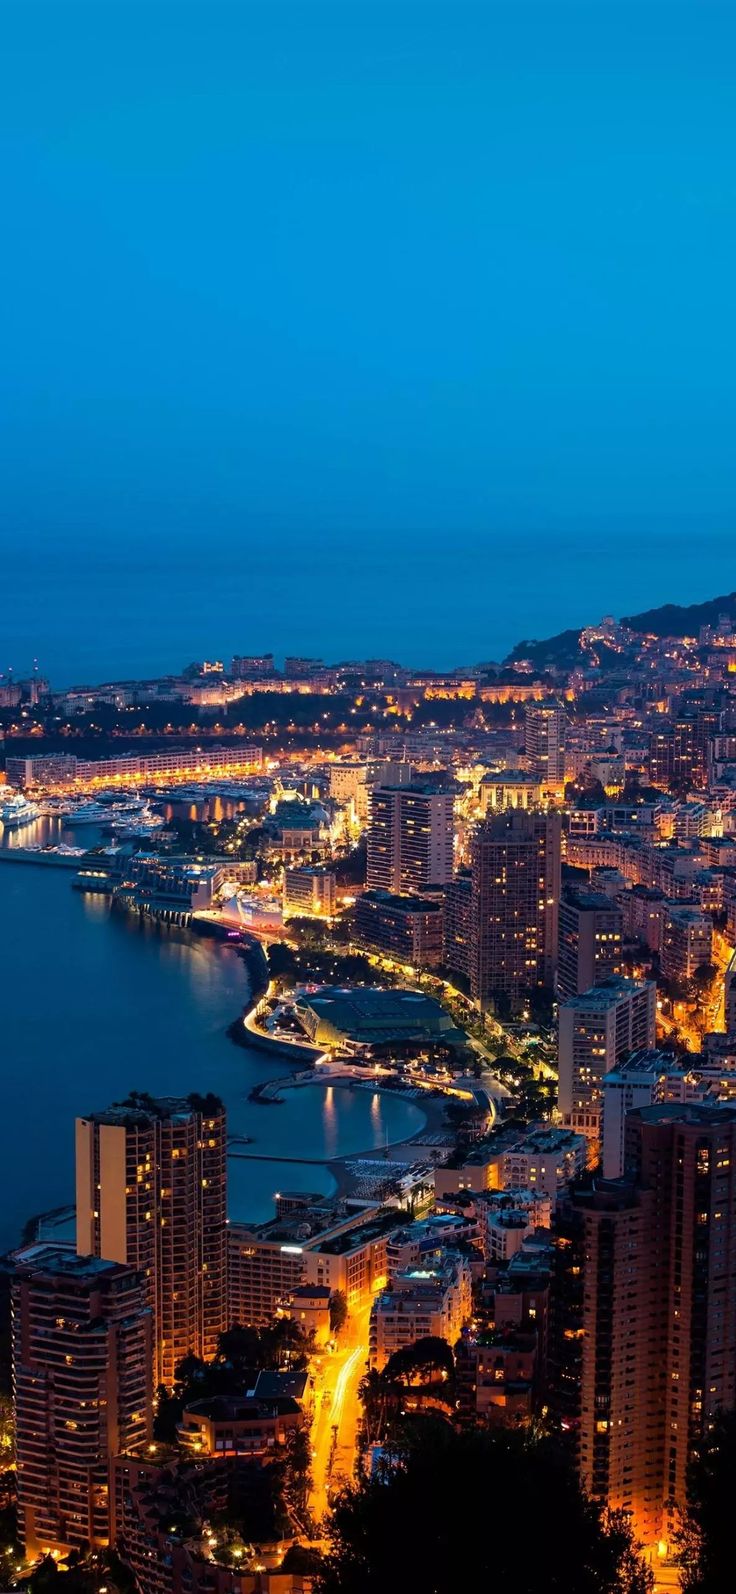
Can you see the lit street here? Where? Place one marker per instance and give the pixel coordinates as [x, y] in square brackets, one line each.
[337, 1410]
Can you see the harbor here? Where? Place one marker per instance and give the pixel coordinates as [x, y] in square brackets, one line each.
[127, 1000]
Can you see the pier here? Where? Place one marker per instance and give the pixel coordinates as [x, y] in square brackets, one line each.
[51, 860]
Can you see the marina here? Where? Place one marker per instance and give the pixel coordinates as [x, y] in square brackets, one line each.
[124, 1001]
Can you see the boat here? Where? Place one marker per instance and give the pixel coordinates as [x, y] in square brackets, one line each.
[54, 807]
[17, 810]
[91, 813]
[138, 820]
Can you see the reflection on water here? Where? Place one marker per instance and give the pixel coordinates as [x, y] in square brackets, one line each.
[329, 1116]
[204, 810]
[97, 1003]
[50, 830]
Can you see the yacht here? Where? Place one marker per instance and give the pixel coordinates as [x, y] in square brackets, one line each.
[54, 807]
[138, 820]
[15, 809]
[91, 813]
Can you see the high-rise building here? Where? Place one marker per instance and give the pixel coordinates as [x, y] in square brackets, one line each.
[410, 837]
[686, 1156]
[655, 1332]
[687, 941]
[82, 1390]
[617, 1418]
[151, 1191]
[515, 903]
[678, 754]
[590, 941]
[262, 1273]
[458, 925]
[545, 725]
[597, 1030]
[643, 1078]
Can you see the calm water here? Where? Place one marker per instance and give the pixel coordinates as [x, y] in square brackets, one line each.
[95, 1004]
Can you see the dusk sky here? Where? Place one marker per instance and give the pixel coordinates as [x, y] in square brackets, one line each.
[361, 328]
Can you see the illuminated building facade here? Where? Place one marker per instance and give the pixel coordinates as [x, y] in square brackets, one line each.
[407, 929]
[310, 891]
[678, 753]
[596, 1032]
[545, 727]
[151, 1192]
[515, 905]
[82, 1390]
[434, 1300]
[590, 941]
[410, 838]
[656, 1353]
[458, 925]
[262, 1273]
[687, 941]
[194, 763]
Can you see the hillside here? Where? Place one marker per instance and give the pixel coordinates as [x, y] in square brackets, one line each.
[561, 650]
[671, 619]
[675, 619]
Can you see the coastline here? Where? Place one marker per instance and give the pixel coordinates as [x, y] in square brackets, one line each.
[180, 1009]
[406, 1149]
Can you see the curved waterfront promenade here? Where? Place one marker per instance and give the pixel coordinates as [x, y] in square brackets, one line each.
[123, 1005]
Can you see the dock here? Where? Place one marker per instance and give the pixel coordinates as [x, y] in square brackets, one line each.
[50, 860]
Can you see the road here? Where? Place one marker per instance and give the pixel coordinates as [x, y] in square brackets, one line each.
[337, 1410]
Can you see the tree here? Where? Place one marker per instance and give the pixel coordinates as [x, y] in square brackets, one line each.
[419, 1363]
[379, 1398]
[426, 1524]
[338, 1311]
[705, 1537]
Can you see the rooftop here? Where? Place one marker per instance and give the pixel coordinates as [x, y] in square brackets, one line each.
[687, 1112]
[369, 1013]
[588, 901]
[649, 1061]
[607, 994]
[241, 1408]
[399, 904]
[141, 1108]
[281, 1386]
[62, 1261]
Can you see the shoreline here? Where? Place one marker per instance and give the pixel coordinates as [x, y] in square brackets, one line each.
[404, 1150]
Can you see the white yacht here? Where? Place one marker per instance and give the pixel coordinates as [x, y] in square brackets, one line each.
[138, 820]
[90, 813]
[15, 809]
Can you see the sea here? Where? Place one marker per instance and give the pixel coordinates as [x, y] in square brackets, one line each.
[97, 1003]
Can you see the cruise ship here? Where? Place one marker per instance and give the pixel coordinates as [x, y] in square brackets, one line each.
[15, 809]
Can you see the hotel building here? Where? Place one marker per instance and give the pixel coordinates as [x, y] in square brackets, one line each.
[82, 1390]
[596, 1032]
[410, 838]
[151, 1192]
[515, 903]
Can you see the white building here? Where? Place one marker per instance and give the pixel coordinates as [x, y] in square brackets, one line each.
[421, 1303]
[597, 1030]
[544, 1160]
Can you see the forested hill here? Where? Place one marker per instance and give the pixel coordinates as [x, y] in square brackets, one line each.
[672, 619]
[675, 619]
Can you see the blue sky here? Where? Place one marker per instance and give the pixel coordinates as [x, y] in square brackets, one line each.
[361, 327]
